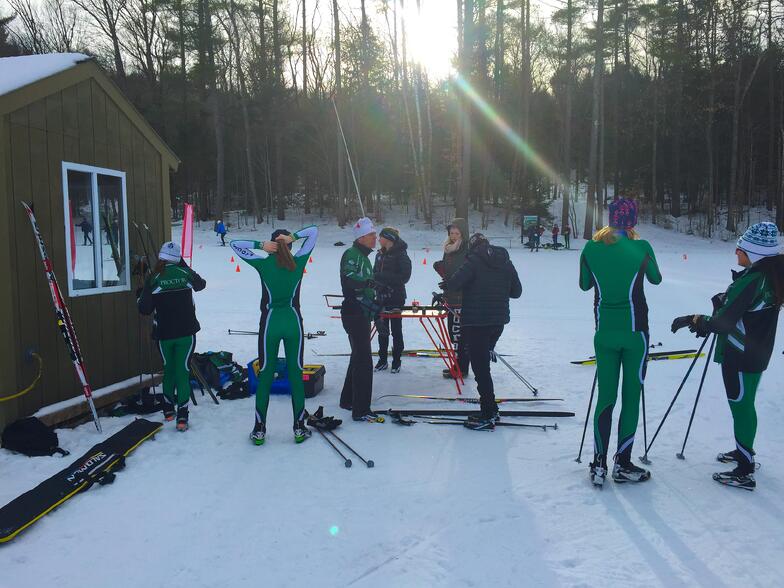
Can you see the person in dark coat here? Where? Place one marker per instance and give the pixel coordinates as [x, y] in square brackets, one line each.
[488, 280]
[455, 249]
[567, 233]
[391, 272]
[87, 230]
[533, 238]
[555, 236]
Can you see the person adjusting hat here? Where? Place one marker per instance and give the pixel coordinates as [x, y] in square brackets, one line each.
[168, 295]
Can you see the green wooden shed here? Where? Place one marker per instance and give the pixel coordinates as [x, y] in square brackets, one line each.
[73, 145]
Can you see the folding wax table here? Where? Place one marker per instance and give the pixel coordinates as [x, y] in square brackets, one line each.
[434, 322]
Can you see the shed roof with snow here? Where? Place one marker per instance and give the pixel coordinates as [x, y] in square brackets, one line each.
[73, 145]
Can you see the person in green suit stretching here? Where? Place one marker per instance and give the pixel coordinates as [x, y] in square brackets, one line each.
[281, 319]
[615, 263]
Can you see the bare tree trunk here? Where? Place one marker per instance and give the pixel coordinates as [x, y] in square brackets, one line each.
[304, 49]
[461, 206]
[593, 160]
[217, 115]
[277, 131]
[567, 163]
[341, 171]
[525, 84]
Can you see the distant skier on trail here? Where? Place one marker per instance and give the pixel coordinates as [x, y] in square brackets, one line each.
[615, 264]
[554, 233]
[391, 270]
[533, 238]
[745, 318]
[358, 310]
[566, 232]
[488, 280]
[168, 293]
[455, 250]
[220, 231]
[281, 319]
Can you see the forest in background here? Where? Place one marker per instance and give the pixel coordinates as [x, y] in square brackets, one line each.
[679, 103]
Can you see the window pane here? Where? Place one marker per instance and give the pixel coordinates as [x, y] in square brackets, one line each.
[81, 218]
[110, 206]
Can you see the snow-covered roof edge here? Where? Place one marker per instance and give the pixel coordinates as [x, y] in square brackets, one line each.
[18, 72]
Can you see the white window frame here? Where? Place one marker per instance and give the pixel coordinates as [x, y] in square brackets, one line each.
[97, 261]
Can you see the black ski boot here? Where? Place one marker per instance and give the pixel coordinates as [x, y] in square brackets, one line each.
[740, 477]
[381, 365]
[598, 472]
[182, 418]
[370, 417]
[168, 409]
[481, 422]
[301, 432]
[733, 457]
[259, 433]
[628, 472]
[395, 366]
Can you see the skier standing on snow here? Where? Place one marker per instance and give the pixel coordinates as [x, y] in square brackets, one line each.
[566, 232]
[615, 264]
[533, 238]
[455, 250]
[391, 270]
[220, 231]
[168, 293]
[281, 319]
[555, 236]
[357, 312]
[487, 280]
[745, 319]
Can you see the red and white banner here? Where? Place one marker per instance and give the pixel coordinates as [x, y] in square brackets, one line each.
[187, 234]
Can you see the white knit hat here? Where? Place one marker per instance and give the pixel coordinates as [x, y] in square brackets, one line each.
[760, 240]
[362, 227]
[170, 252]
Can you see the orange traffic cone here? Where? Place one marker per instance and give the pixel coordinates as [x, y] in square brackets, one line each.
[238, 269]
[310, 260]
[424, 261]
[232, 259]
[305, 271]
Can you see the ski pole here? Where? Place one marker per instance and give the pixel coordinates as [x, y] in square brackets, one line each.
[437, 420]
[644, 419]
[696, 400]
[644, 458]
[368, 462]
[346, 461]
[587, 414]
[495, 356]
[348, 156]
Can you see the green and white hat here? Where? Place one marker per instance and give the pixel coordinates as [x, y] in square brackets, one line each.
[760, 240]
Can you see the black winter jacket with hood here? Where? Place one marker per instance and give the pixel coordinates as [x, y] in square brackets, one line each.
[488, 280]
[393, 269]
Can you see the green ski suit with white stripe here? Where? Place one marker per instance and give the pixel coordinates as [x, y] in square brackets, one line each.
[617, 272]
[281, 319]
[745, 324]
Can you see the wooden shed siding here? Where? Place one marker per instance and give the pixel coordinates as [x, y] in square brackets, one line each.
[81, 124]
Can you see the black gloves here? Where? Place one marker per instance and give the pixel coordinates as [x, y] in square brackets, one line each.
[442, 284]
[700, 328]
[438, 299]
[680, 322]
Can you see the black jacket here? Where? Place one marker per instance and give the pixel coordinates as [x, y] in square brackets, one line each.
[168, 295]
[393, 269]
[488, 280]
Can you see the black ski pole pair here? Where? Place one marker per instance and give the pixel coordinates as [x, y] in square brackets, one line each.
[442, 420]
[679, 455]
[497, 356]
[346, 461]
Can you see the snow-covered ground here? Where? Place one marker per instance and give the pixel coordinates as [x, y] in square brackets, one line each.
[444, 506]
